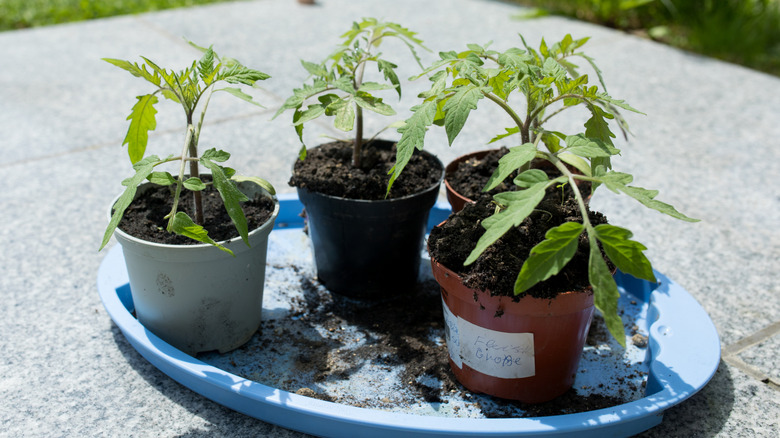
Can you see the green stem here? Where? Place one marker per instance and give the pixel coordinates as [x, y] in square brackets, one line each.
[512, 114]
[180, 180]
[358, 146]
[575, 189]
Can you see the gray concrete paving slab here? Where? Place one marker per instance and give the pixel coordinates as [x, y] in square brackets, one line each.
[707, 142]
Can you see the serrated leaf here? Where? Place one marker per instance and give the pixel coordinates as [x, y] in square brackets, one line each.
[578, 163]
[532, 177]
[345, 116]
[194, 184]
[314, 69]
[605, 292]
[143, 169]
[162, 178]
[213, 154]
[509, 132]
[367, 87]
[519, 205]
[185, 226]
[589, 147]
[388, 71]
[374, 104]
[645, 197]
[412, 137]
[142, 120]
[458, 107]
[597, 126]
[231, 196]
[135, 70]
[549, 256]
[511, 161]
[311, 113]
[257, 180]
[626, 254]
[241, 95]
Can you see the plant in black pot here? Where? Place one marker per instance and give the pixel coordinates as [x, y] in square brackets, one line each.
[194, 243]
[366, 240]
[521, 272]
[548, 82]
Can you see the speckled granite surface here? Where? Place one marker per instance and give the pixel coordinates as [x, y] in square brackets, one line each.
[708, 143]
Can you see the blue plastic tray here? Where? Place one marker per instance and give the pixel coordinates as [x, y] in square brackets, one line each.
[682, 355]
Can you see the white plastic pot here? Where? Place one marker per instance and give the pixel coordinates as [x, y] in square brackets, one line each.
[196, 297]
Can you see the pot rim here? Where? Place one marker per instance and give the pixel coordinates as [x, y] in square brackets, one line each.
[199, 246]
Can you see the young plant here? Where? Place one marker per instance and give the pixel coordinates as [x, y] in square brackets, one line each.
[548, 81]
[191, 88]
[338, 82]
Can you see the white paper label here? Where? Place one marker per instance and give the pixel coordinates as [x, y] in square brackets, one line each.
[498, 354]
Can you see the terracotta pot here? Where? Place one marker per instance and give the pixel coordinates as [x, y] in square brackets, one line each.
[526, 350]
[458, 201]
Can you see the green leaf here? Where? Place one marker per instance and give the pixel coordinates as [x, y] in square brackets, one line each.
[185, 226]
[458, 107]
[142, 120]
[388, 71]
[519, 205]
[194, 184]
[135, 70]
[374, 104]
[241, 95]
[617, 182]
[311, 113]
[412, 136]
[215, 155]
[577, 162]
[162, 178]
[509, 131]
[589, 147]
[532, 177]
[605, 292]
[143, 169]
[257, 180]
[549, 256]
[315, 69]
[231, 196]
[626, 254]
[367, 87]
[345, 116]
[511, 161]
[597, 126]
[646, 197]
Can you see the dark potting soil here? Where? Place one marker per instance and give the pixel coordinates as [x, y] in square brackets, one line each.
[471, 176]
[328, 169]
[497, 268]
[144, 218]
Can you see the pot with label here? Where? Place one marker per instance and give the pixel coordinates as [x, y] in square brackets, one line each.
[525, 349]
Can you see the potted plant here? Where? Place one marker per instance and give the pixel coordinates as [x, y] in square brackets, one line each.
[366, 240]
[185, 290]
[504, 75]
[520, 273]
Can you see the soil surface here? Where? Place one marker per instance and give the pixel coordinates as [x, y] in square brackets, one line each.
[497, 268]
[145, 217]
[471, 176]
[328, 169]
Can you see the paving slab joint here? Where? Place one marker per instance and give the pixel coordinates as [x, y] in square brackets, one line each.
[730, 354]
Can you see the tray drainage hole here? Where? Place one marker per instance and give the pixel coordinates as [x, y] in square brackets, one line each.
[663, 330]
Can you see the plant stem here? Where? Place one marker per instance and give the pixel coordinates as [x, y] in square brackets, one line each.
[180, 180]
[522, 126]
[575, 189]
[358, 146]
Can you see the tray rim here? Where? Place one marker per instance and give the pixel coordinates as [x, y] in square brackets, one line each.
[678, 369]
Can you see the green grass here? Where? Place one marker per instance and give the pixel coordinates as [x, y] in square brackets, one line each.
[745, 32]
[20, 14]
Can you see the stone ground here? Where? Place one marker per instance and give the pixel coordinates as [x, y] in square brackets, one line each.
[708, 143]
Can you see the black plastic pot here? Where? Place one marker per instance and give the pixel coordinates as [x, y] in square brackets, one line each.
[368, 249]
